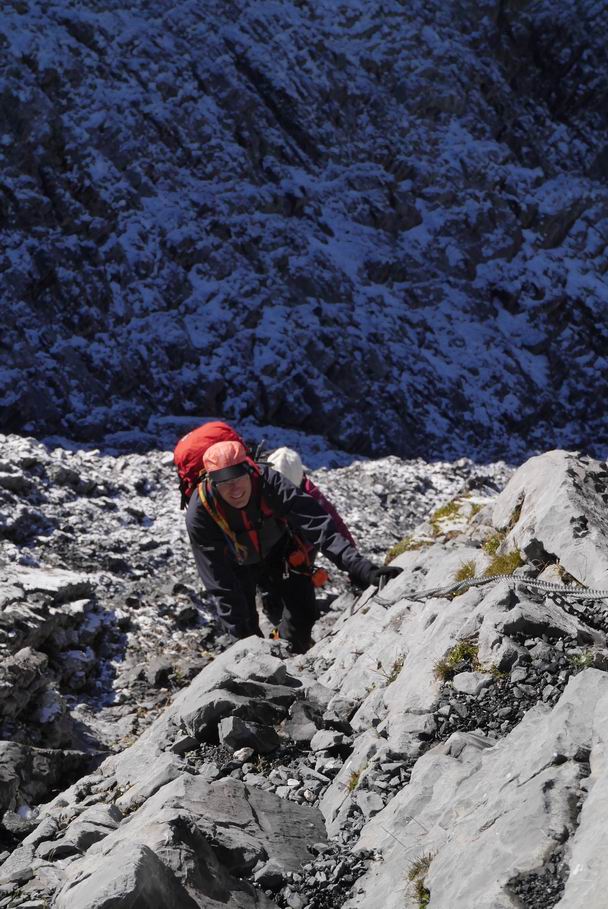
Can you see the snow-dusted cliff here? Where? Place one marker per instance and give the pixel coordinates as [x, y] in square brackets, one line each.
[385, 222]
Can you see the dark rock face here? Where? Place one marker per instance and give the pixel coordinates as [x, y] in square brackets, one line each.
[391, 234]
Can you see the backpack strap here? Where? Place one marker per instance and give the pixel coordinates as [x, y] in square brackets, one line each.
[210, 501]
[298, 556]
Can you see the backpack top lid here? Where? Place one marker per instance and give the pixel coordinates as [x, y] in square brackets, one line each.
[190, 450]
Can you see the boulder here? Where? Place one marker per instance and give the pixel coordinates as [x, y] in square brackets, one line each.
[63, 586]
[558, 499]
[303, 722]
[237, 733]
[471, 682]
[204, 838]
[588, 879]
[514, 828]
[28, 775]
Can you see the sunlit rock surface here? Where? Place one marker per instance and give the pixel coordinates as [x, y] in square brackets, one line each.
[446, 749]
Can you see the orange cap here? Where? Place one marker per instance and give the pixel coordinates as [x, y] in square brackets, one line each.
[225, 461]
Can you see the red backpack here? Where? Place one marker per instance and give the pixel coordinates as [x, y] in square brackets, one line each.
[189, 451]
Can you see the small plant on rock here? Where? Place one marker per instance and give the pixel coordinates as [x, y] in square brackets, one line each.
[565, 577]
[492, 543]
[504, 564]
[261, 764]
[394, 671]
[450, 510]
[515, 515]
[180, 678]
[462, 652]
[465, 572]
[580, 661]
[133, 807]
[406, 545]
[416, 874]
[353, 780]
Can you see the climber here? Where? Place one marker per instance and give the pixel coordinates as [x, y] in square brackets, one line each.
[250, 527]
[288, 462]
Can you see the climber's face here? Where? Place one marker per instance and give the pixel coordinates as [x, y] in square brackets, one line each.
[236, 492]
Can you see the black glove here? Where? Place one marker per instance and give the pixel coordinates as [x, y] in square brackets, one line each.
[381, 576]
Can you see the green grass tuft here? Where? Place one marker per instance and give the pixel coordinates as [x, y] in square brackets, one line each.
[466, 571]
[450, 510]
[406, 545]
[416, 874]
[353, 780]
[504, 564]
[515, 515]
[395, 670]
[423, 895]
[463, 651]
[581, 661]
[491, 545]
[420, 867]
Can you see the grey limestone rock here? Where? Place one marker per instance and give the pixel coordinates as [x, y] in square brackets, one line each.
[265, 668]
[327, 740]
[184, 744]
[219, 704]
[370, 716]
[303, 722]
[135, 873]
[370, 803]
[92, 825]
[205, 836]
[238, 733]
[63, 586]
[407, 734]
[19, 866]
[512, 826]
[339, 712]
[586, 884]
[471, 682]
[28, 775]
[158, 671]
[557, 500]
[534, 619]
[22, 676]
[165, 768]
[270, 876]
[335, 802]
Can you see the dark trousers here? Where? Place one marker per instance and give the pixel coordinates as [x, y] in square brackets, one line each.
[293, 597]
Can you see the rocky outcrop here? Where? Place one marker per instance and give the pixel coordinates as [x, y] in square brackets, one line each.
[382, 225]
[102, 620]
[443, 751]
